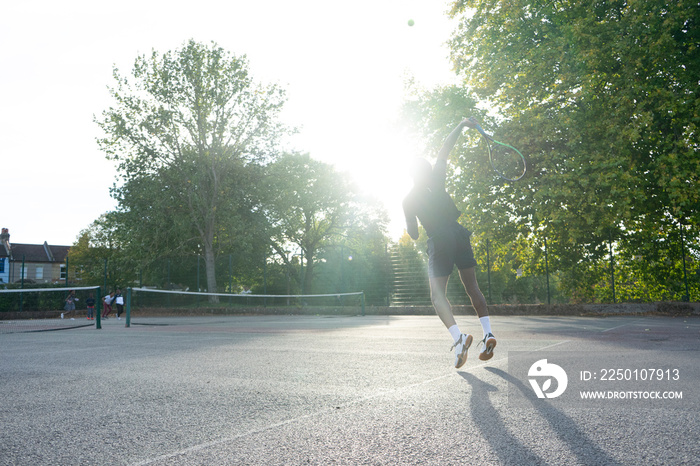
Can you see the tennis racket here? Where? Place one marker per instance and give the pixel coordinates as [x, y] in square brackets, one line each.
[505, 160]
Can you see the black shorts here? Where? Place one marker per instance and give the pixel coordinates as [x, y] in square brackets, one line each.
[449, 248]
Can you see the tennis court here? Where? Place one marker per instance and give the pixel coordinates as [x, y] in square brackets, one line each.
[339, 390]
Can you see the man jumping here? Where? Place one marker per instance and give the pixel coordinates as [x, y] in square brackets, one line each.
[448, 245]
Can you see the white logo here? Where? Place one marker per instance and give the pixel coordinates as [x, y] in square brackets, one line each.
[551, 371]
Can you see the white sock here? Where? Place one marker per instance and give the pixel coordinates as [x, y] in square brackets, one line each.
[485, 325]
[454, 331]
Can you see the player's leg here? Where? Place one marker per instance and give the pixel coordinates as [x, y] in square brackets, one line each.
[488, 343]
[438, 296]
[466, 264]
[468, 277]
[441, 262]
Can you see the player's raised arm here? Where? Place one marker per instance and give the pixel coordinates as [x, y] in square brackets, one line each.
[452, 138]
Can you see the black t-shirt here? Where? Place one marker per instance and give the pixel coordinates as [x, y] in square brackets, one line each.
[431, 204]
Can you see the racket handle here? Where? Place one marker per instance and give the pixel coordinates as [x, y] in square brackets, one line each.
[480, 129]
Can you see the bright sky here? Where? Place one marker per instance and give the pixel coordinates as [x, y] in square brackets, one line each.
[343, 65]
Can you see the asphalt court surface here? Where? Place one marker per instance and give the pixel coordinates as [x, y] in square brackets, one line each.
[338, 390]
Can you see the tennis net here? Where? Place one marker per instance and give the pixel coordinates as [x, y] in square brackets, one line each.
[148, 302]
[45, 309]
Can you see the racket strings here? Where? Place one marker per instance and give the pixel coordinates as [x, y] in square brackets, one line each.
[506, 161]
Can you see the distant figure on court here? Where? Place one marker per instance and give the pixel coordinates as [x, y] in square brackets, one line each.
[448, 245]
[70, 302]
[119, 300]
[107, 304]
[90, 303]
[246, 290]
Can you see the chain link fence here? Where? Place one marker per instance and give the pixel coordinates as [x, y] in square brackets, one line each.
[398, 275]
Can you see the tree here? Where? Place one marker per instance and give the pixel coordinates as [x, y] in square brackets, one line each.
[99, 254]
[310, 206]
[188, 133]
[606, 87]
[602, 96]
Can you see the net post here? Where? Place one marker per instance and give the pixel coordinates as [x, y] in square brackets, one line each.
[21, 297]
[98, 309]
[128, 308]
[363, 304]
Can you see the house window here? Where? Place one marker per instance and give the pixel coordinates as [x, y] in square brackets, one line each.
[63, 271]
[39, 273]
[2, 265]
[23, 271]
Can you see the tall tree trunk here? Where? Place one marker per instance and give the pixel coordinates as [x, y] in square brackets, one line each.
[308, 275]
[210, 227]
[210, 267]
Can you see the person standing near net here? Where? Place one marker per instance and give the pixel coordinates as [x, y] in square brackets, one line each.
[119, 300]
[69, 305]
[107, 304]
[448, 246]
[90, 303]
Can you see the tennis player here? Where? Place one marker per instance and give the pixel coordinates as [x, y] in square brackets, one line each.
[448, 246]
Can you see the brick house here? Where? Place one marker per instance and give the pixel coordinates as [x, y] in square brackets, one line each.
[43, 263]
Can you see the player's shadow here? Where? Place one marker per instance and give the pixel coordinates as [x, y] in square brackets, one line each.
[507, 447]
[567, 430]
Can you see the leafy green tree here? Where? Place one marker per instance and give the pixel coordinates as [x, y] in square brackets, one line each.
[607, 87]
[99, 255]
[188, 131]
[602, 98]
[310, 207]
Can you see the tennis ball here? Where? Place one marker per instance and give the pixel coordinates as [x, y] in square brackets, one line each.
[410, 22]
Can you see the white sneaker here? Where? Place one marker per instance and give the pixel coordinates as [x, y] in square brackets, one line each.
[461, 347]
[488, 344]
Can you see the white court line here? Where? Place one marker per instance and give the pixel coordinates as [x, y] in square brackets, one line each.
[618, 326]
[552, 345]
[213, 443]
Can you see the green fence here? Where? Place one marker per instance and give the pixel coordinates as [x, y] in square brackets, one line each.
[397, 274]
